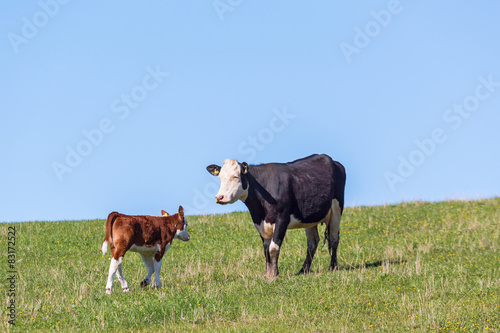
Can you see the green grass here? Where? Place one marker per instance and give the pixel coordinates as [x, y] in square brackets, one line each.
[409, 267]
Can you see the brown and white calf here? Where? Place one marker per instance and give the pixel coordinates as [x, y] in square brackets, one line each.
[151, 236]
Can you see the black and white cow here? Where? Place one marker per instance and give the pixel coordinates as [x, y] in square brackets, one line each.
[281, 196]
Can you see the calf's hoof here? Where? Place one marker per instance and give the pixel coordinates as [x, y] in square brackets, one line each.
[126, 290]
[108, 291]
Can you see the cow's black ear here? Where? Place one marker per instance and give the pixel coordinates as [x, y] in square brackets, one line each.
[213, 169]
[244, 177]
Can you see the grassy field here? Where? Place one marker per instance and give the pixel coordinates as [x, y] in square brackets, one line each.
[409, 267]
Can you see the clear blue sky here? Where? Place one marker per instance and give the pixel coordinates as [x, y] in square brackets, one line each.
[121, 105]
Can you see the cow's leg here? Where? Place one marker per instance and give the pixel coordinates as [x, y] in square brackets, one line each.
[119, 274]
[113, 267]
[333, 233]
[157, 266]
[274, 248]
[274, 253]
[148, 262]
[312, 244]
[266, 243]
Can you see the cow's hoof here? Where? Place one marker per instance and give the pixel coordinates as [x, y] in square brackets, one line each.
[271, 276]
[333, 268]
[108, 291]
[144, 283]
[126, 290]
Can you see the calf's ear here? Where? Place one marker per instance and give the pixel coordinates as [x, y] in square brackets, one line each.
[181, 212]
[213, 169]
[164, 213]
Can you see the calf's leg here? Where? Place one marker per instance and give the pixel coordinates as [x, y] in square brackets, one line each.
[157, 266]
[148, 262]
[121, 279]
[113, 267]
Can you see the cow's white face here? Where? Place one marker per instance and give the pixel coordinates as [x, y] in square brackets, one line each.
[231, 185]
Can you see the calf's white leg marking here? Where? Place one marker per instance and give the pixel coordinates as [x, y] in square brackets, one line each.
[157, 265]
[113, 267]
[121, 279]
[148, 262]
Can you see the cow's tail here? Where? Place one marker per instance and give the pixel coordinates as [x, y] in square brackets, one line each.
[108, 238]
[327, 232]
[339, 188]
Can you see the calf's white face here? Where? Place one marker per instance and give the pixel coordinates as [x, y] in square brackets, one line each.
[182, 234]
[231, 187]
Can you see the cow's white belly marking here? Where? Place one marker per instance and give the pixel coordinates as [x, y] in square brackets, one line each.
[295, 223]
[266, 229]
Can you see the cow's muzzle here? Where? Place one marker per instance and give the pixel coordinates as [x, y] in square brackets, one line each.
[219, 199]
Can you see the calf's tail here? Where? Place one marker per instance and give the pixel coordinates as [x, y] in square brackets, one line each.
[108, 238]
[104, 247]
